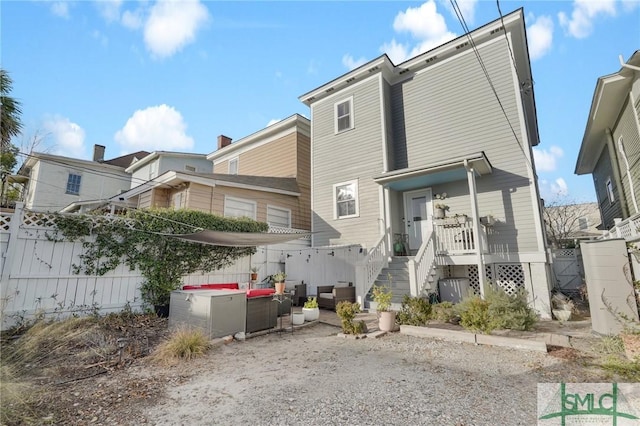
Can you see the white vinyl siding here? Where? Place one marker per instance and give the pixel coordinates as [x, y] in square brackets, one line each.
[345, 199]
[278, 217]
[344, 115]
[233, 166]
[73, 183]
[238, 207]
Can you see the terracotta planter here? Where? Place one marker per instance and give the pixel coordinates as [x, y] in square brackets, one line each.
[387, 320]
[631, 345]
[279, 288]
[254, 276]
[311, 314]
[438, 213]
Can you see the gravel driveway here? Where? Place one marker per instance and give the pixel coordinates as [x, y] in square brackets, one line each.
[312, 377]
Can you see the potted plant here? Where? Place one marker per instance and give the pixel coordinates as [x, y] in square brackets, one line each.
[310, 309]
[386, 317]
[278, 279]
[439, 211]
[254, 273]
[461, 218]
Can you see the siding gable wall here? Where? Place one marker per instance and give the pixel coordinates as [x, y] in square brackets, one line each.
[601, 173]
[353, 154]
[449, 110]
[628, 129]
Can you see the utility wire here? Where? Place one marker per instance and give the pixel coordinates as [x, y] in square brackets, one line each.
[465, 28]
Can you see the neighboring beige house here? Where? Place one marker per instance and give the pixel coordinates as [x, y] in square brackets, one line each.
[56, 182]
[268, 180]
[391, 142]
[610, 149]
[567, 225]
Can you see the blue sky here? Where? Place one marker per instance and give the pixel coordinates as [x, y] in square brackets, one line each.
[173, 75]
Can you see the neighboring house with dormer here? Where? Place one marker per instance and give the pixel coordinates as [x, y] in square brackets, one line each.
[391, 142]
[55, 182]
[268, 180]
[160, 162]
[610, 149]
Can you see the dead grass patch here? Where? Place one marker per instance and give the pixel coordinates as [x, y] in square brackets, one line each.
[184, 343]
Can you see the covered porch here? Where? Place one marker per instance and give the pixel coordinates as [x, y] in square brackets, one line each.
[413, 228]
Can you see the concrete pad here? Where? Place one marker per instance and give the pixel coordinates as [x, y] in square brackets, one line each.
[511, 342]
[438, 333]
[352, 336]
[377, 334]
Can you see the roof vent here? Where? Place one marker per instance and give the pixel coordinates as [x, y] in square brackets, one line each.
[460, 46]
[404, 71]
[310, 99]
[330, 89]
[373, 69]
[349, 80]
[431, 59]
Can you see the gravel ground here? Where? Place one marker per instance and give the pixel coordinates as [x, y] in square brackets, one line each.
[312, 377]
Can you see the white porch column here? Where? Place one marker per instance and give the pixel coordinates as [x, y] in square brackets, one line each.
[471, 179]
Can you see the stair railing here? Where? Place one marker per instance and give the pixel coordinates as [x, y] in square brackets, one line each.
[370, 267]
[421, 266]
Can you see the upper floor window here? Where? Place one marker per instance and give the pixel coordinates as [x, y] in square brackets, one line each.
[153, 170]
[277, 216]
[233, 166]
[610, 195]
[583, 223]
[344, 115]
[73, 184]
[345, 199]
[239, 207]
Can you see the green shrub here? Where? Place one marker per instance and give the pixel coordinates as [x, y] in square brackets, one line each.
[498, 310]
[382, 296]
[414, 311]
[443, 312]
[474, 314]
[347, 312]
[510, 312]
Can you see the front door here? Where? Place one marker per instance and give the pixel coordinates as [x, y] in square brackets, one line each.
[417, 217]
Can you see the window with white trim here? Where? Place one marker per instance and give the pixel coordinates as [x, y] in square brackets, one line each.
[609, 186]
[153, 170]
[344, 115]
[583, 223]
[277, 216]
[73, 184]
[233, 166]
[345, 199]
[239, 207]
[176, 200]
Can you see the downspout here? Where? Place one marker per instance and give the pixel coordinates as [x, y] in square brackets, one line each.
[626, 163]
[616, 173]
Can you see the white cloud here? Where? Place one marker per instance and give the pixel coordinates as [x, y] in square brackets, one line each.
[312, 68]
[155, 128]
[559, 188]
[68, 137]
[173, 24]
[132, 19]
[580, 25]
[397, 52]
[540, 37]
[546, 160]
[61, 9]
[109, 9]
[425, 25]
[103, 39]
[630, 5]
[273, 121]
[350, 63]
[467, 7]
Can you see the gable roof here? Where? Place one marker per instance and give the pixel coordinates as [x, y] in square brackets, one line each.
[125, 161]
[157, 154]
[608, 98]
[61, 160]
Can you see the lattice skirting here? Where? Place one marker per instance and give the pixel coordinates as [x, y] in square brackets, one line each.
[508, 276]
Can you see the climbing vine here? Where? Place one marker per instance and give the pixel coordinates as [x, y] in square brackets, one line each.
[136, 240]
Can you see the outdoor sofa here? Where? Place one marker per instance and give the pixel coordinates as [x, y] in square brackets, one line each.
[330, 295]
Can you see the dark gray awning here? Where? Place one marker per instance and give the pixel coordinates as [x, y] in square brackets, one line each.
[240, 239]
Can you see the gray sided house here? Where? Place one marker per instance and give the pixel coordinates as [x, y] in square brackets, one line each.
[391, 142]
[610, 149]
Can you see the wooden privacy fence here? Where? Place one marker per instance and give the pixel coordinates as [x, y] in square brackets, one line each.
[37, 273]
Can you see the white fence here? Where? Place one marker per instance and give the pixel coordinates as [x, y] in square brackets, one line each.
[37, 273]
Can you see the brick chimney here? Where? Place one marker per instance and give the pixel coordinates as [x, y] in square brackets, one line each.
[98, 153]
[223, 141]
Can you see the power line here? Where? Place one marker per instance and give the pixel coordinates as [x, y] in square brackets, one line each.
[474, 47]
